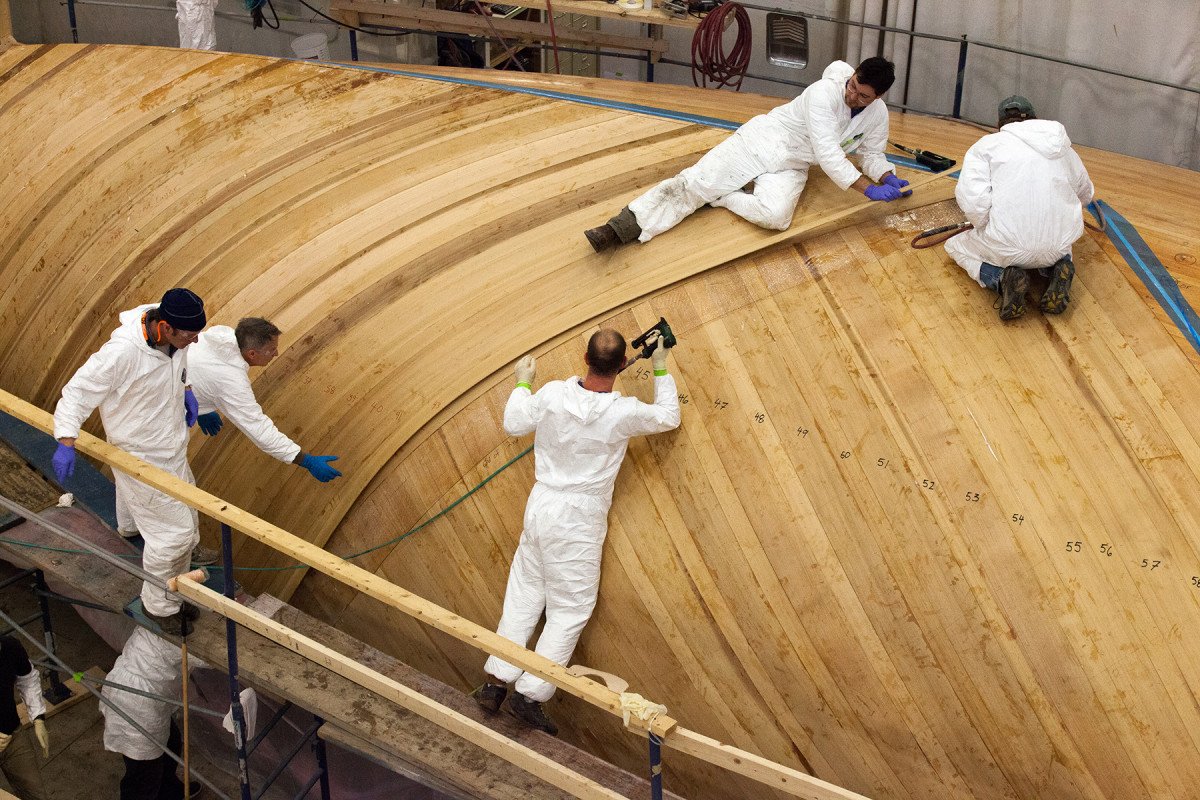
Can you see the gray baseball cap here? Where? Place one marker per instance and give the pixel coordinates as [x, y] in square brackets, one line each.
[1015, 103]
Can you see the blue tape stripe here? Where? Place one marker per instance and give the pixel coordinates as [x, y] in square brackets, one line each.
[712, 122]
[1152, 273]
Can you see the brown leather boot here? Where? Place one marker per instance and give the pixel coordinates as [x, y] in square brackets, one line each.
[490, 696]
[602, 238]
[531, 713]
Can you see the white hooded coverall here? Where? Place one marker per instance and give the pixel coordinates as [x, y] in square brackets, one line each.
[197, 23]
[775, 151]
[152, 665]
[139, 391]
[220, 380]
[1023, 188]
[580, 441]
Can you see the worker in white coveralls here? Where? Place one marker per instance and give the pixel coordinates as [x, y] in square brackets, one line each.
[138, 379]
[219, 369]
[197, 23]
[838, 115]
[154, 666]
[582, 428]
[1023, 189]
[17, 760]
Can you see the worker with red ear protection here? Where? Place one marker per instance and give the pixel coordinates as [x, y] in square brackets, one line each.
[138, 380]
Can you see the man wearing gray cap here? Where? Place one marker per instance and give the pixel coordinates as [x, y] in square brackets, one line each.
[138, 380]
[1023, 189]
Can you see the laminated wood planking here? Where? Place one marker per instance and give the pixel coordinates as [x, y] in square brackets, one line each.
[826, 612]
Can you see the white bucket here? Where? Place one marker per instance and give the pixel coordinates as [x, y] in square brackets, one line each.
[311, 46]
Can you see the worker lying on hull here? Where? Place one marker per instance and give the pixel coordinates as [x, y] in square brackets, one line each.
[834, 117]
[17, 759]
[581, 430]
[1023, 189]
[219, 366]
[154, 666]
[138, 379]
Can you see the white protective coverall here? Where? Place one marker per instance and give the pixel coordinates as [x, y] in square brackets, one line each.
[580, 441]
[197, 23]
[775, 151]
[220, 380]
[152, 665]
[139, 391]
[1023, 188]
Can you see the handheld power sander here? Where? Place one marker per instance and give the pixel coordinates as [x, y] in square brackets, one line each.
[933, 161]
[647, 341]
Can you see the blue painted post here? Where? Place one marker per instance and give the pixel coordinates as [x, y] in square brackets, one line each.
[57, 691]
[71, 17]
[962, 76]
[322, 764]
[655, 768]
[235, 699]
[354, 45]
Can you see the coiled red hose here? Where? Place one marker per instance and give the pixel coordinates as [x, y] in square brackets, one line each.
[709, 57]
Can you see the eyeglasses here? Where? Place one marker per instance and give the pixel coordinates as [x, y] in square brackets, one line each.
[856, 90]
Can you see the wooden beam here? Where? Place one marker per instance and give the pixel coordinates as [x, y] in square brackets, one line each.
[335, 567]
[604, 10]
[742, 762]
[430, 19]
[790, 781]
[480, 735]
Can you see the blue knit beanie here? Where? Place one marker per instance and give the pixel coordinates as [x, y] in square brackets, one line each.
[183, 310]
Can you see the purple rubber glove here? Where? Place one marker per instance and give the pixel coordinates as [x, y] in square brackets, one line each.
[191, 409]
[885, 193]
[897, 183]
[63, 462]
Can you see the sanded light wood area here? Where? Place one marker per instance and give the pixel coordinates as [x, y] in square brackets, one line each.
[894, 544]
[382, 222]
[1157, 199]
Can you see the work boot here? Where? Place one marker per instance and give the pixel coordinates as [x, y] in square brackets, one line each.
[531, 713]
[625, 225]
[602, 238]
[1013, 286]
[173, 625]
[1058, 291]
[133, 534]
[204, 556]
[490, 696]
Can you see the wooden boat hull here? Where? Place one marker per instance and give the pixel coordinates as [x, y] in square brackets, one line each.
[894, 543]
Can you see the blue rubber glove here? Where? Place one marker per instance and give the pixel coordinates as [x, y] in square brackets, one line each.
[319, 467]
[210, 423]
[897, 183]
[885, 193]
[63, 462]
[191, 409]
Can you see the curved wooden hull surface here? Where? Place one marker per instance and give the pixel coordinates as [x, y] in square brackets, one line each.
[894, 543]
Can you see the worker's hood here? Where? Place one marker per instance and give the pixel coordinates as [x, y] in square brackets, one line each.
[131, 324]
[584, 404]
[221, 341]
[838, 71]
[1047, 137]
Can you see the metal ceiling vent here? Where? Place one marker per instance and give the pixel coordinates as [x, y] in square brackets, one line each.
[787, 40]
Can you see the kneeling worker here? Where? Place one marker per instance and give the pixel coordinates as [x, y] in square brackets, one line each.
[219, 365]
[1023, 189]
[838, 115]
[581, 430]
